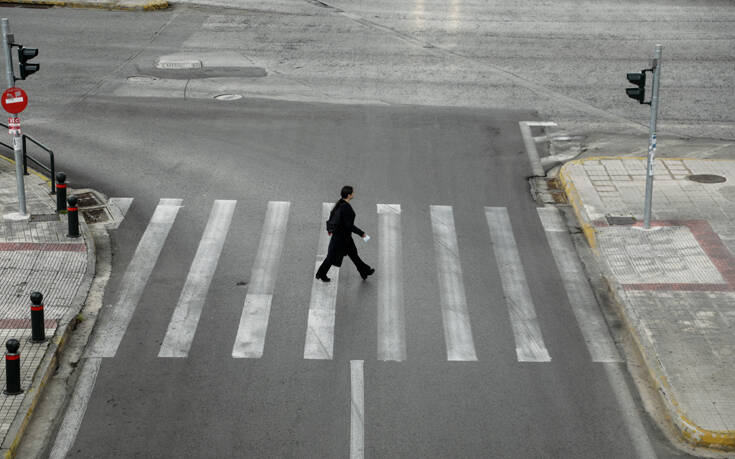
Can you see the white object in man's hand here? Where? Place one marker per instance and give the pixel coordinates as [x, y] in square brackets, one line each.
[366, 237]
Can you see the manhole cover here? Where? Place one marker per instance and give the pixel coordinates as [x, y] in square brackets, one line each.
[228, 97]
[706, 178]
[618, 220]
[141, 79]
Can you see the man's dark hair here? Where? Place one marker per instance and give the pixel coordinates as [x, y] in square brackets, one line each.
[346, 191]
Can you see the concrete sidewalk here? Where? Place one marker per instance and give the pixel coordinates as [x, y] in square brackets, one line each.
[36, 255]
[674, 283]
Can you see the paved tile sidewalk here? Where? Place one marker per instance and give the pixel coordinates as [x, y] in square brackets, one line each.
[36, 255]
[674, 283]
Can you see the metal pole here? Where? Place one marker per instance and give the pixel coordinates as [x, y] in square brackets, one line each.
[17, 141]
[652, 137]
[10, 80]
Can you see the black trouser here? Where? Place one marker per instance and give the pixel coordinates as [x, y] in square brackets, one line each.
[362, 268]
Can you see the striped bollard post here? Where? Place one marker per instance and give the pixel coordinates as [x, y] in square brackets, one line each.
[12, 368]
[73, 216]
[61, 192]
[38, 332]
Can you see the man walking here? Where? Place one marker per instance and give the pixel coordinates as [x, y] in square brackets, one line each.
[341, 225]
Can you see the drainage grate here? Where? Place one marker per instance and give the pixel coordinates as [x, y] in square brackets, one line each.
[617, 220]
[87, 199]
[98, 215]
[556, 191]
[706, 178]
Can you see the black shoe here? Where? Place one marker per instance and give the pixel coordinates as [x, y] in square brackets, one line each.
[367, 273]
[323, 278]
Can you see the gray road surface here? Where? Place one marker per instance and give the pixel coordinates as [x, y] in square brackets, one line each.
[161, 134]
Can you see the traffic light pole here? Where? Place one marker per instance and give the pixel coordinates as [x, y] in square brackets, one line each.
[652, 137]
[17, 141]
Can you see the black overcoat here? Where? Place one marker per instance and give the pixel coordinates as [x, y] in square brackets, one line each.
[341, 242]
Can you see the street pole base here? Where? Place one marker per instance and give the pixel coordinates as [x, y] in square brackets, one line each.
[12, 393]
[16, 217]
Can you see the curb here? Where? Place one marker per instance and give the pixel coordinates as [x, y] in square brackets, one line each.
[124, 5]
[56, 344]
[575, 200]
[690, 432]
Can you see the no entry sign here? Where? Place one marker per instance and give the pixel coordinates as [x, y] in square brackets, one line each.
[14, 100]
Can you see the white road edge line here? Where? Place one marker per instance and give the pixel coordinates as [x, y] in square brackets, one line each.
[630, 414]
[183, 324]
[584, 305]
[319, 342]
[391, 315]
[112, 326]
[530, 345]
[67, 434]
[357, 410]
[251, 332]
[456, 317]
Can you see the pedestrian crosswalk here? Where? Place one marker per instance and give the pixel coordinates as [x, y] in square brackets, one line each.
[254, 320]
[390, 308]
[181, 329]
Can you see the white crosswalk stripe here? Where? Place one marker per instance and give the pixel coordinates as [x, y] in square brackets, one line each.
[182, 327]
[320, 326]
[530, 345]
[590, 320]
[250, 338]
[391, 316]
[112, 327]
[457, 329]
[390, 312]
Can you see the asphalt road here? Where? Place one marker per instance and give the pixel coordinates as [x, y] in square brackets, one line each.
[211, 405]
[414, 117]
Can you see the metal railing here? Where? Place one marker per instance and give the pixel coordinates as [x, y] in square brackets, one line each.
[50, 170]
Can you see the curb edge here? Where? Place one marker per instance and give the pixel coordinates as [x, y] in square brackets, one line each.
[52, 353]
[149, 5]
[690, 431]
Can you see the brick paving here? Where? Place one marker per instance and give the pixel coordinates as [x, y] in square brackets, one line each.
[35, 255]
[675, 282]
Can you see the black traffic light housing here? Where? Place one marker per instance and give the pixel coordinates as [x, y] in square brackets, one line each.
[639, 92]
[27, 68]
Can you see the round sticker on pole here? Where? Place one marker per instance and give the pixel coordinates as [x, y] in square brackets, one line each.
[14, 100]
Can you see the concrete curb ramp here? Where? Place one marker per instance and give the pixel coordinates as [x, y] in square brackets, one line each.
[690, 431]
[126, 5]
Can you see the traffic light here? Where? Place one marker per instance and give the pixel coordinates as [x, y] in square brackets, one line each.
[639, 93]
[26, 68]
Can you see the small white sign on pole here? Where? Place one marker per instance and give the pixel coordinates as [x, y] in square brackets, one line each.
[14, 125]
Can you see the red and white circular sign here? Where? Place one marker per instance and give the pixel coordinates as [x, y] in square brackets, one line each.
[14, 100]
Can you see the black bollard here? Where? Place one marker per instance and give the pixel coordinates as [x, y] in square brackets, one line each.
[73, 217]
[61, 192]
[12, 368]
[38, 331]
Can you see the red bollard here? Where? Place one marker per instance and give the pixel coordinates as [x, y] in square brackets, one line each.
[12, 368]
[38, 329]
[61, 192]
[73, 216]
